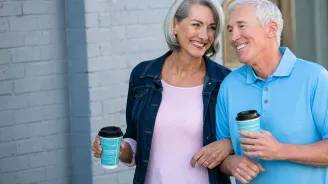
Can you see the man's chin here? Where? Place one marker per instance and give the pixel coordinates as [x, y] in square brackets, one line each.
[243, 61]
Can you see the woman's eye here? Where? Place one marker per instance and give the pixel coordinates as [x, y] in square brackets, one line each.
[195, 25]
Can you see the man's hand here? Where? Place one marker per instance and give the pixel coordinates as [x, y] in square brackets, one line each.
[212, 155]
[242, 168]
[261, 144]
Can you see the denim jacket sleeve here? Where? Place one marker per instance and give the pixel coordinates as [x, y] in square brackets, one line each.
[131, 129]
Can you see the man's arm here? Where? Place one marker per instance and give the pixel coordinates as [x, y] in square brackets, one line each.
[315, 154]
[265, 146]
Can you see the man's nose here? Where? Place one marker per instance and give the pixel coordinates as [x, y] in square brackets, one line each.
[234, 35]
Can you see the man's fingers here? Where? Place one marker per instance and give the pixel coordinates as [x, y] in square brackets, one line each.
[253, 135]
[248, 147]
[260, 166]
[249, 141]
[240, 178]
[265, 132]
[253, 168]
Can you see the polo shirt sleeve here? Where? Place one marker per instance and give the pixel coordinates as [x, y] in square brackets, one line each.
[320, 104]
[222, 116]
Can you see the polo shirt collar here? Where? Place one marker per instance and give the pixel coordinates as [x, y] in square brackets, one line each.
[284, 68]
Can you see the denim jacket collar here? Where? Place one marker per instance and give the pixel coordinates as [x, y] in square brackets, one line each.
[153, 70]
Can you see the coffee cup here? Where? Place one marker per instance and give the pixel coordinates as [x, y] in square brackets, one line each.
[110, 140]
[249, 121]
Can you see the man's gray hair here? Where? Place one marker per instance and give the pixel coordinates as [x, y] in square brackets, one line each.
[180, 10]
[265, 11]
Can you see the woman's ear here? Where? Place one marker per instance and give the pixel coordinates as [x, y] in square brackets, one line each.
[175, 26]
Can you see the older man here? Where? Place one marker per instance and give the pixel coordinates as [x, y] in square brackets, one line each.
[291, 95]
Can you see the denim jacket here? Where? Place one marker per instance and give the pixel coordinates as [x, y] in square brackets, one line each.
[144, 98]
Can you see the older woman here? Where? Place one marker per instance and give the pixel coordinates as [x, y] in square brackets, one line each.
[170, 112]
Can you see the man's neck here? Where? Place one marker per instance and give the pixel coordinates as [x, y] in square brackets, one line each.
[267, 64]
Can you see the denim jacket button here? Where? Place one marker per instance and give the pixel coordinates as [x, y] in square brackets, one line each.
[208, 137]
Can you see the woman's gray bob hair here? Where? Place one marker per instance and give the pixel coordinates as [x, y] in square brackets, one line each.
[180, 11]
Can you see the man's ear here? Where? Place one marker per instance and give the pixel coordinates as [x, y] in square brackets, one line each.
[272, 29]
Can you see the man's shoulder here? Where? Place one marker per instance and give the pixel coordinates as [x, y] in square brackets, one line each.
[311, 68]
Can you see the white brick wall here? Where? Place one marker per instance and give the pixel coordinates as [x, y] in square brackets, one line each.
[34, 124]
[121, 34]
[42, 140]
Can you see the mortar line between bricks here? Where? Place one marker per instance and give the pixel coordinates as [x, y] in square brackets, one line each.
[35, 153]
[41, 136]
[24, 46]
[17, 94]
[37, 30]
[8, 172]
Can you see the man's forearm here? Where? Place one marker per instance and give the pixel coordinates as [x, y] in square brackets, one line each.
[315, 154]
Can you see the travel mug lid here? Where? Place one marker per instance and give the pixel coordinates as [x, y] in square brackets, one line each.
[110, 132]
[247, 115]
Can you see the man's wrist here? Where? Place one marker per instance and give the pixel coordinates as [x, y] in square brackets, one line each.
[224, 166]
[283, 152]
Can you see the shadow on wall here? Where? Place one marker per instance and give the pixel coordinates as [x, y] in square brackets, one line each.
[79, 93]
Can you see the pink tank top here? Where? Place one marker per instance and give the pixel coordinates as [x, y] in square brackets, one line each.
[178, 135]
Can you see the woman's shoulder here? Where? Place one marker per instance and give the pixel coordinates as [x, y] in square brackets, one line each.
[216, 70]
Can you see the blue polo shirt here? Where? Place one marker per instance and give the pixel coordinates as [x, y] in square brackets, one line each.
[293, 104]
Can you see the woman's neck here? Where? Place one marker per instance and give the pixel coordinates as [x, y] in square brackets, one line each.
[183, 64]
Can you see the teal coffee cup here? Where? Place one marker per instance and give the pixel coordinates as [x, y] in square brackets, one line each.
[249, 121]
[110, 140]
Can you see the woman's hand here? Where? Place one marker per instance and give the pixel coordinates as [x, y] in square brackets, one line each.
[126, 153]
[96, 147]
[213, 154]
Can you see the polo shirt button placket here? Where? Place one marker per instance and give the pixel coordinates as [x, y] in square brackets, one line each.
[265, 96]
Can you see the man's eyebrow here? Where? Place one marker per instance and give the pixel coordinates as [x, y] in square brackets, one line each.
[238, 22]
[241, 22]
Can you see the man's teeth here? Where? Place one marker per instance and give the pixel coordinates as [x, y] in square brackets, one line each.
[240, 46]
[199, 44]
